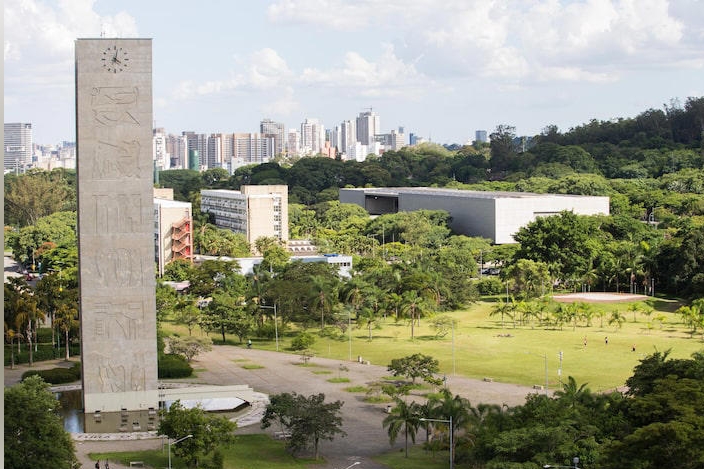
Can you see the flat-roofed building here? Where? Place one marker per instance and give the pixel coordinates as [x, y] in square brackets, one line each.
[255, 211]
[494, 215]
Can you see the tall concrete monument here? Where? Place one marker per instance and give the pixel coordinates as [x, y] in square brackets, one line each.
[115, 224]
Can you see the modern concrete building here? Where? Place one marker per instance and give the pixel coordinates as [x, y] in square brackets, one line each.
[494, 215]
[173, 230]
[17, 152]
[255, 211]
[116, 227]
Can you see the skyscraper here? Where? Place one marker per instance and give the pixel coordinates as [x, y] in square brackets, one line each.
[18, 145]
[269, 128]
[312, 136]
[480, 136]
[368, 125]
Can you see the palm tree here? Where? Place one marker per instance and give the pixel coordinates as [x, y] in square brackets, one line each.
[505, 308]
[571, 394]
[404, 417]
[617, 318]
[414, 305]
[459, 408]
[66, 319]
[322, 296]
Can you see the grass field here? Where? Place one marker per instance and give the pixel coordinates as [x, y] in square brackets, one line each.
[248, 452]
[480, 347]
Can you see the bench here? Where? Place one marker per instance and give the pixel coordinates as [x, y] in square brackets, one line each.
[136, 463]
[538, 386]
[282, 435]
[489, 380]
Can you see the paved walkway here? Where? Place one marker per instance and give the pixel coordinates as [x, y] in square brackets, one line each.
[283, 372]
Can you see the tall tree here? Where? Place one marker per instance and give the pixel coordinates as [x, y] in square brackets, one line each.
[404, 416]
[209, 432]
[308, 419]
[34, 433]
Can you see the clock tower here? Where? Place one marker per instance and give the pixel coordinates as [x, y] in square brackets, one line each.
[115, 225]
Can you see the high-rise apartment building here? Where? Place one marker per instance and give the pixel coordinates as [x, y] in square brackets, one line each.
[398, 139]
[269, 128]
[162, 159]
[293, 142]
[253, 148]
[368, 125]
[348, 135]
[480, 136]
[255, 211]
[312, 136]
[18, 148]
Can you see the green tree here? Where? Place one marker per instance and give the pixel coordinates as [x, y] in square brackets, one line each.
[34, 433]
[414, 366]
[189, 347]
[35, 195]
[529, 277]
[209, 432]
[404, 416]
[308, 419]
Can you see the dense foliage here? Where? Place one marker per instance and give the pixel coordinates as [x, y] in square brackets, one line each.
[34, 433]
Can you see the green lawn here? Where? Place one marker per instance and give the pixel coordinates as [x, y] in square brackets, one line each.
[417, 458]
[248, 452]
[482, 348]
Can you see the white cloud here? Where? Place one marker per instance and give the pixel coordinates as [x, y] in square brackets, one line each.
[47, 30]
[520, 40]
[387, 76]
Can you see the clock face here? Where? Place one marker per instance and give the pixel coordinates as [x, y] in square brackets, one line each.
[115, 59]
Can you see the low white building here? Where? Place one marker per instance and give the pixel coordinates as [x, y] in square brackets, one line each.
[494, 215]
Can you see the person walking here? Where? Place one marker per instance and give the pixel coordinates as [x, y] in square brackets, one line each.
[606, 341]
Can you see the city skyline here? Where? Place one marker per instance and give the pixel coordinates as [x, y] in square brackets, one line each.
[441, 73]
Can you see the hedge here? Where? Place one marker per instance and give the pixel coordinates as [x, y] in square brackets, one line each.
[57, 375]
[173, 366]
[44, 352]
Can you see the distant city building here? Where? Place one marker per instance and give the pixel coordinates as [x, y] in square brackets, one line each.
[312, 136]
[480, 136]
[398, 139]
[18, 148]
[162, 159]
[255, 211]
[276, 130]
[293, 142]
[253, 148]
[494, 215]
[173, 229]
[368, 125]
[348, 135]
[49, 157]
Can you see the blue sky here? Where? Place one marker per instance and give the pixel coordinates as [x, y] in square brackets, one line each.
[441, 69]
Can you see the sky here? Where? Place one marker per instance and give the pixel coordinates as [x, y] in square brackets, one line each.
[441, 69]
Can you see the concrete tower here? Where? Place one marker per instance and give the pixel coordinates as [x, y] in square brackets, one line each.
[116, 224]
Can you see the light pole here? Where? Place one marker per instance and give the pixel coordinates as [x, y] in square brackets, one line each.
[575, 461]
[452, 442]
[177, 441]
[276, 324]
[545, 357]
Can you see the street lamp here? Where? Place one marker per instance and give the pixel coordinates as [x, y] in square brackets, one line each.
[276, 324]
[452, 442]
[177, 441]
[575, 461]
[545, 357]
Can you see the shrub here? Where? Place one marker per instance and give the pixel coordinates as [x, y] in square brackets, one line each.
[490, 286]
[266, 331]
[57, 375]
[174, 366]
[302, 341]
